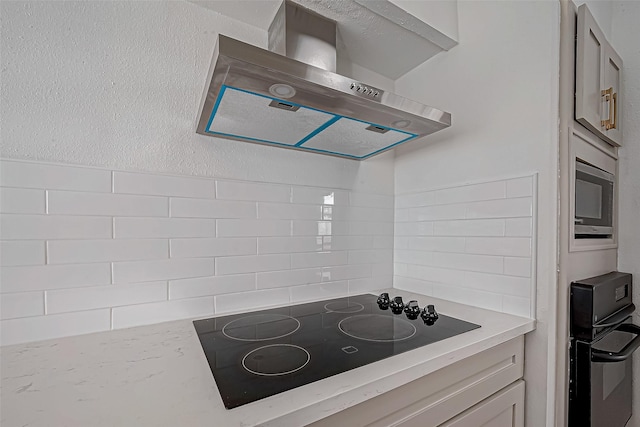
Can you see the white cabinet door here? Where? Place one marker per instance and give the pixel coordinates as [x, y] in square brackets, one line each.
[598, 69]
[503, 409]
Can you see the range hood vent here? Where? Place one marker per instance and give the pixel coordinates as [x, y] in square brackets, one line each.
[260, 96]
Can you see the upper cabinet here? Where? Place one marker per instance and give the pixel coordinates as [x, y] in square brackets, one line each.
[598, 69]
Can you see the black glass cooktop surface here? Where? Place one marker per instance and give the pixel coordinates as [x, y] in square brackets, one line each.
[262, 353]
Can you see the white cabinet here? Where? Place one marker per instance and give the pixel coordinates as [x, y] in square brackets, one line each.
[598, 69]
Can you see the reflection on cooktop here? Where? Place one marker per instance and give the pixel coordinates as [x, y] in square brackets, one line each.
[259, 354]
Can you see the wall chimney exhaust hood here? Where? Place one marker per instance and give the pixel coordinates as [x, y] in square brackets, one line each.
[298, 101]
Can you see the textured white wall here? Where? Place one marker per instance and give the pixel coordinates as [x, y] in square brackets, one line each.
[118, 85]
[501, 86]
[626, 34]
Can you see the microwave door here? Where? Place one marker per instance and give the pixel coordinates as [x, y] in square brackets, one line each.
[593, 202]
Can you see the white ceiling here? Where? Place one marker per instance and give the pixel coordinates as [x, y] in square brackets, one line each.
[378, 36]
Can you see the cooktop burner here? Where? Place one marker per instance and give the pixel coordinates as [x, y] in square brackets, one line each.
[259, 354]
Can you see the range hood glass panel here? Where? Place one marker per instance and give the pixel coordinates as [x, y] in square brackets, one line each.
[361, 141]
[247, 115]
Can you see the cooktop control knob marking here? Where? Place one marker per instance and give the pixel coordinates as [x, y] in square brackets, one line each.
[383, 301]
[412, 309]
[397, 305]
[429, 315]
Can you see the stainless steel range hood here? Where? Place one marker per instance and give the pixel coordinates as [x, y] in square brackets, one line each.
[260, 96]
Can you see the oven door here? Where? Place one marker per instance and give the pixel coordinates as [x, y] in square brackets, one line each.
[600, 392]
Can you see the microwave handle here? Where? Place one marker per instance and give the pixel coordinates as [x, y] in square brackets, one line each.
[578, 221]
[609, 357]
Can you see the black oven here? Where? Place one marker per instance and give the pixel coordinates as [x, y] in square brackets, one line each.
[594, 216]
[603, 340]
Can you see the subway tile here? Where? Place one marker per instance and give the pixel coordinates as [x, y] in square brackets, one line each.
[163, 185]
[382, 242]
[147, 271]
[346, 272]
[401, 242]
[252, 264]
[437, 244]
[517, 306]
[468, 262]
[507, 246]
[45, 277]
[504, 285]
[413, 285]
[15, 331]
[370, 200]
[289, 211]
[435, 274]
[355, 213]
[107, 250]
[319, 228]
[156, 312]
[437, 213]
[203, 208]
[373, 228]
[21, 304]
[519, 227]
[251, 300]
[472, 297]
[401, 215]
[131, 228]
[281, 245]
[413, 200]
[320, 196]
[400, 269]
[234, 190]
[371, 256]
[27, 227]
[21, 252]
[471, 193]
[319, 259]
[105, 204]
[54, 177]
[506, 208]
[22, 200]
[211, 247]
[212, 285]
[369, 285]
[344, 243]
[470, 227]
[517, 266]
[67, 300]
[286, 278]
[413, 257]
[253, 227]
[520, 187]
[319, 291]
[422, 228]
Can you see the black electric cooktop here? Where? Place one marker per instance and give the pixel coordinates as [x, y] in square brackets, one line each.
[262, 353]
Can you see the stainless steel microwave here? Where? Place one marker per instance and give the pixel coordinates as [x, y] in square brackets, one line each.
[594, 203]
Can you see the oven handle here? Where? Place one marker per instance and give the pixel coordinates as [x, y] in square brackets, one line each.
[616, 318]
[625, 353]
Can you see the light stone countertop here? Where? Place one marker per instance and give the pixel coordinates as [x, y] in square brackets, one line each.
[158, 375]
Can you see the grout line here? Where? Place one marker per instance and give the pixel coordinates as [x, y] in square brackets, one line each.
[46, 309]
[46, 202]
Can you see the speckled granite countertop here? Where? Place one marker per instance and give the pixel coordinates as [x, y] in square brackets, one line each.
[158, 375]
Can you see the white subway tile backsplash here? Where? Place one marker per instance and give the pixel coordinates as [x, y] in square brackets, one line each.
[344, 243]
[470, 227]
[319, 291]
[421, 228]
[254, 299]
[382, 242]
[142, 228]
[15, 331]
[319, 259]
[468, 262]
[203, 208]
[212, 285]
[44, 277]
[145, 314]
[147, 271]
[40, 227]
[499, 284]
[163, 185]
[413, 285]
[371, 200]
[105, 250]
[435, 213]
[252, 264]
[282, 245]
[67, 300]
[54, 177]
[468, 296]
[520, 187]
[319, 196]
[373, 228]
[22, 200]
[435, 274]
[414, 200]
[21, 252]
[105, 204]
[405, 256]
[21, 304]
[519, 227]
[287, 278]
[517, 266]
[355, 213]
[320, 228]
[368, 285]
[253, 227]
[212, 247]
[346, 272]
[437, 244]
[507, 246]
[289, 211]
[471, 193]
[517, 306]
[234, 190]
[506, 208]
[371, 256]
